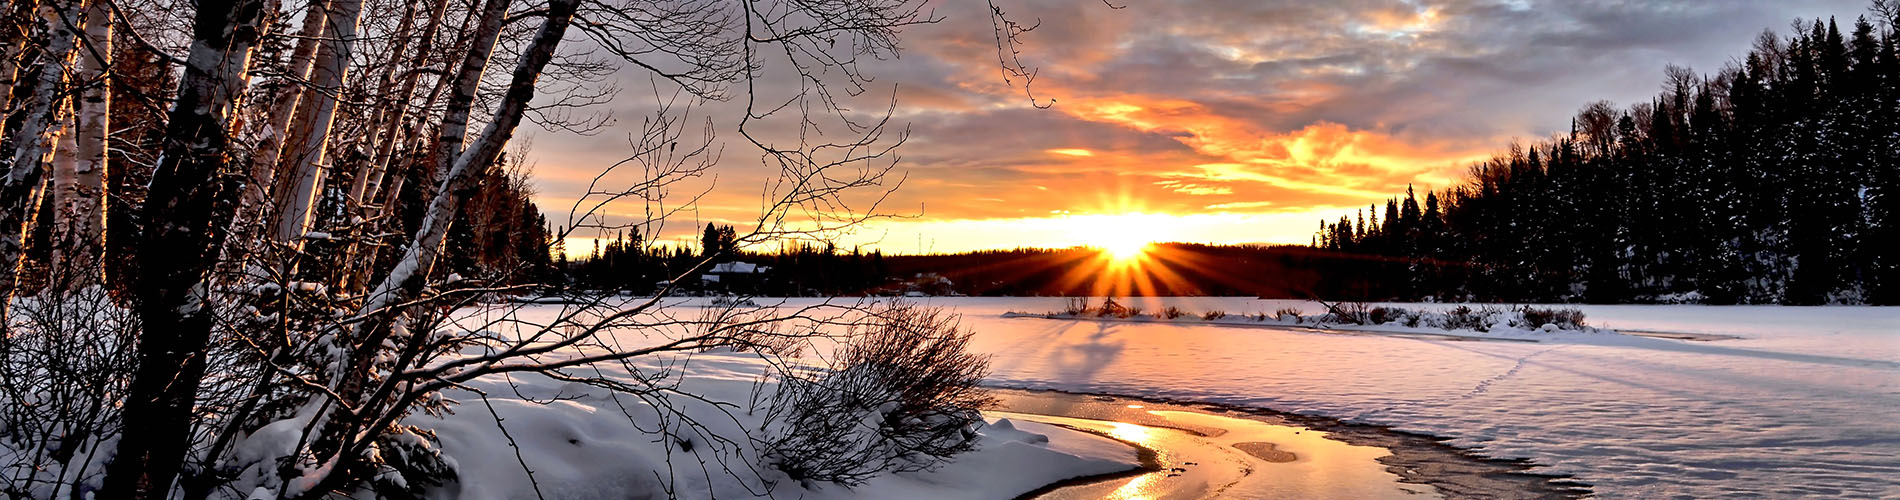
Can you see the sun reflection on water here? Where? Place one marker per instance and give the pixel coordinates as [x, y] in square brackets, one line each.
[1132, 433]
[1140, 488]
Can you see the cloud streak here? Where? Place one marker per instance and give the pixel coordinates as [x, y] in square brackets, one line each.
[1262, 110]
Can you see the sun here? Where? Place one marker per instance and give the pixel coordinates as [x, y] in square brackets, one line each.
[1124, 250]
[1123, 239]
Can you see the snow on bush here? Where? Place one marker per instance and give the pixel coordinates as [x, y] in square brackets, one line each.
[1483, 319]
[900, 396]
[64, 365]
[1351, 315]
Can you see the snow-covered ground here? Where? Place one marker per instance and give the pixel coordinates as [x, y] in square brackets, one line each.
[584, 442]
[1807, 402]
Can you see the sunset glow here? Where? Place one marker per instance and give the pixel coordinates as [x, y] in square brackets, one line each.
[1208, 122]
[1125, 252]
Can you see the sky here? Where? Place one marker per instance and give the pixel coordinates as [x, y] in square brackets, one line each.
[1208, 121]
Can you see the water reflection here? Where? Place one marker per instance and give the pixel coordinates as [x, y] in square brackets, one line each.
[1225, 457]
[1140, 488]
[1131, 433]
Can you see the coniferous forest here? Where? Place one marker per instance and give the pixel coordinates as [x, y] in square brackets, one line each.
[1771, 181]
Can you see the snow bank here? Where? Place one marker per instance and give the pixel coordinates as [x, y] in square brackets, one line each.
[1482, 322]
[695, 436]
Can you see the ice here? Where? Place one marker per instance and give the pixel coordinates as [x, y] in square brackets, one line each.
[1805, 403]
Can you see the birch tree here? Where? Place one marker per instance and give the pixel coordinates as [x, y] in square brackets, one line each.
[191, 198]
[33, 143]
[316, 113]
[80, 231]
[268, 132]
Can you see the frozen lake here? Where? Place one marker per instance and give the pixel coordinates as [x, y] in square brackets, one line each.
[1805, 403]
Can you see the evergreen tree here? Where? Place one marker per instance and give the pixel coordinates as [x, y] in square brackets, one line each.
[1773, 181]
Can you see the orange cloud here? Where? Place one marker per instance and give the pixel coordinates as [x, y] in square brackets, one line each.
[1322, 157]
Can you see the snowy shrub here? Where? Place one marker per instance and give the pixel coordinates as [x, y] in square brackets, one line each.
[1565, 319]
[1351, 313]
[1076, 306]
[1411, 318]
[900, 396]
[65, 361]
[1129, 313]
[1383, 315]
[1213, 315]
[408, 462]
[1288, 314]
[1465, 318]
[1172, 312]
[1111, 308]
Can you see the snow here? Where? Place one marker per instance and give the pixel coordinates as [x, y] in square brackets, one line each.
[738, 268]
[1479, 322]
[585, 442]
[1801, 404]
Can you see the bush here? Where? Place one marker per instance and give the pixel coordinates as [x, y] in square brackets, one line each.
[1172, 312]
[1284, 312]
[1111, 308]
[1352, 313]
[1385, 315]
[1464, 318]
[1076, 306]
[1381, 315]
[1213, 315]
[900, 396]
[1566, 318]
[66, 359]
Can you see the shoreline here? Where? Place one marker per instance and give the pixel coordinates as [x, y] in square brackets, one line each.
[1414, 458]
[1276, 326]
[1148, 457]
[1371, 330]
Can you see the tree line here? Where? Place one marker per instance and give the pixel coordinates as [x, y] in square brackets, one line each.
[1772, 181]
[792, 269]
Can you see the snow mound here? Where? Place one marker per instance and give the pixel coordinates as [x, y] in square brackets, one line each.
[697, 438]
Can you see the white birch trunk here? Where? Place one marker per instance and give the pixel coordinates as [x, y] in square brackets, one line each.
[462, 95]
[184, 213]
[414, 135]
[266, 136]
[269, 137]
[65, 186]
[24, 185]
[86, 208]
[318, 110]
[460, 179]
[390, 112]
[388, 132]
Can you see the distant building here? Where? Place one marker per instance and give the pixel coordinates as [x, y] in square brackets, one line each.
[919, 285]
[735, 276]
